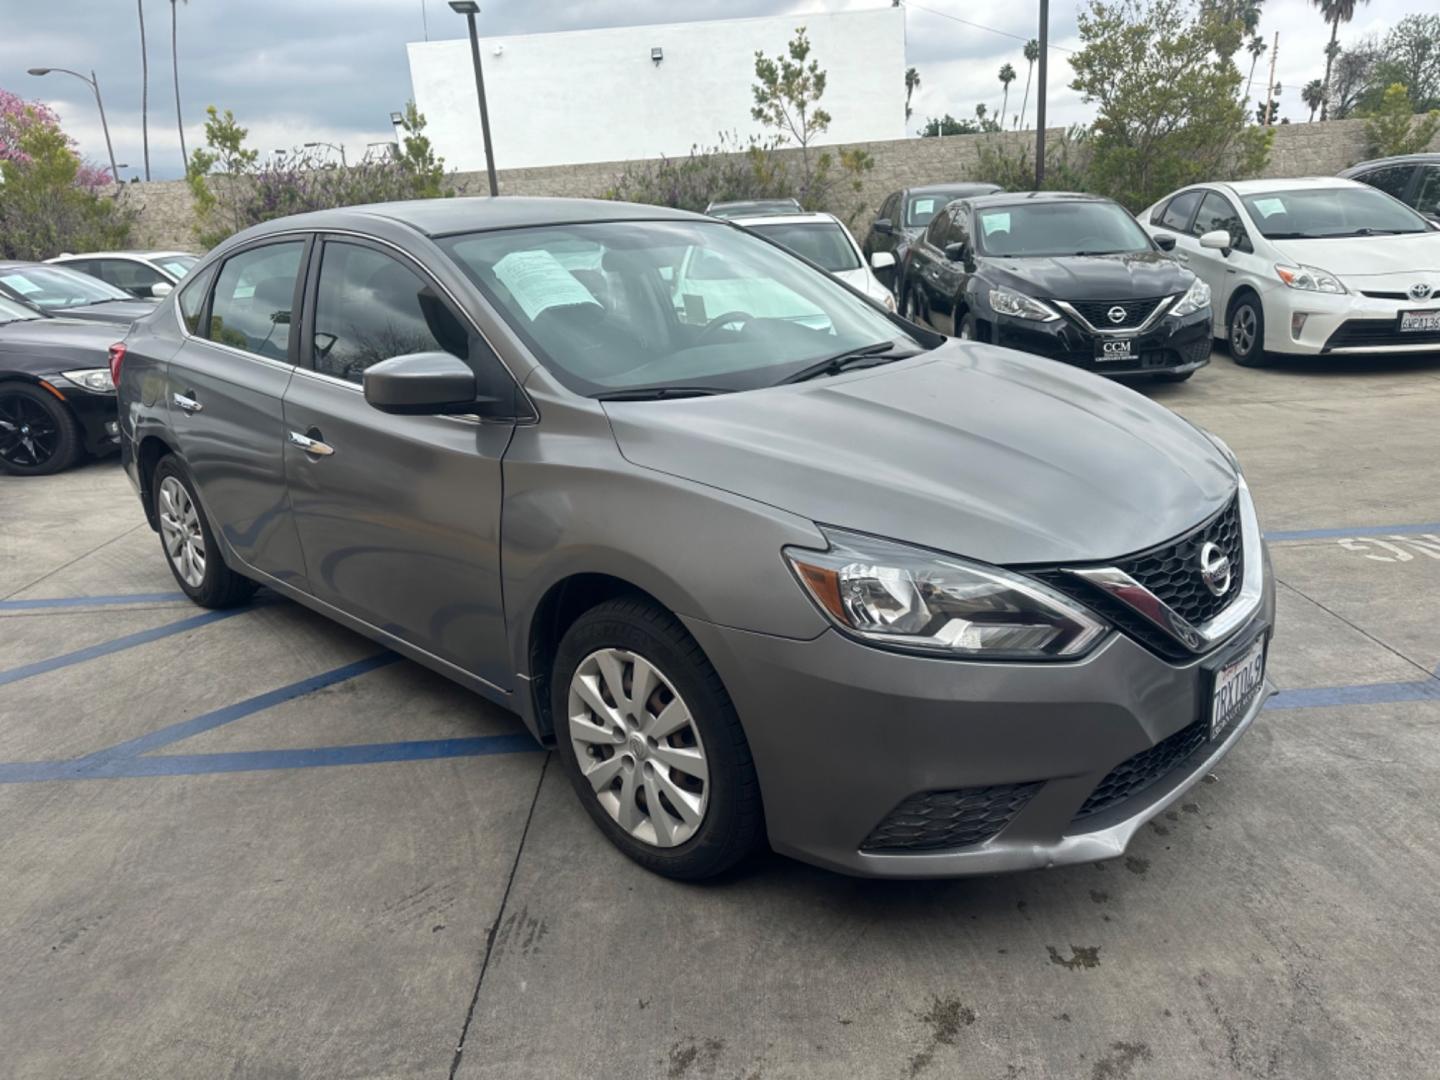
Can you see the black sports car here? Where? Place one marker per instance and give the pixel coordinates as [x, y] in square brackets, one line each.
[1072, 277]
[901, 219]
[57, 399]
[58, 290]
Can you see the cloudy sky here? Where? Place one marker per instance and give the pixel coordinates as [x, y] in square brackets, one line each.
[295, 71]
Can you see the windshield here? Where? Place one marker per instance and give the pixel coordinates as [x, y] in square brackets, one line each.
[56, 287]
[626, 306]
[822, 242]
[1315, 213]
[1058, 228]
[14, 311]
[921, 208]
[177, 266]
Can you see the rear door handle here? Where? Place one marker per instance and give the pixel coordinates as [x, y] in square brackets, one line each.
[189, 404]
[311, 446]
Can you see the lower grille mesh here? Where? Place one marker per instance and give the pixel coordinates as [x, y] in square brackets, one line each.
[1135, 774]
[949, 819]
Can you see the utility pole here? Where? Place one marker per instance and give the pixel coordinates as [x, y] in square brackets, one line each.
[1040, 99]
[1270, 90]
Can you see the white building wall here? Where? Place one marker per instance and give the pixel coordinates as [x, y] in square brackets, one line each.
[595, 95]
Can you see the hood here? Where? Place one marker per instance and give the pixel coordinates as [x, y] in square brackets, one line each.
[1369, 256]
[1136, 275]
[970, 449]
[109, 311]
[39, 346]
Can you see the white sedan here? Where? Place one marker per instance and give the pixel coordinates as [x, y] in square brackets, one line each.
[1307, 267]
[825, 241]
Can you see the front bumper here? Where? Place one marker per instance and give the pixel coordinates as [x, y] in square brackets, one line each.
[1174, 345]
[843, 733]
[96, 414]
[1311, 324]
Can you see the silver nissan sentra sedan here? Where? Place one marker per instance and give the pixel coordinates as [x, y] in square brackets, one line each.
[759, 559]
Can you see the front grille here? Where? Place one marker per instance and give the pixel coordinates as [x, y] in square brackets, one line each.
[1097, 312]
[1135, 774]
[1386, 295]
[1376, 334]
[949, 819]
[1172, 572]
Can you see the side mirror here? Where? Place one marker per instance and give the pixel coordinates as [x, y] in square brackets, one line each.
[421, 384]
[1165, 242]
[882, 260]
[883, 226]
[957, 252]
[161, 289]
[1217, 240]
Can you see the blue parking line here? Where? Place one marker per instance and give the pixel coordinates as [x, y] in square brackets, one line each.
[1353, 530]
[91, 601]
[1363, 694]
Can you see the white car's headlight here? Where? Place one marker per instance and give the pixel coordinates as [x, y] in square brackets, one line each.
[1195, 298]
[916, 600]
[1309, 278]
[1007, 302]
[95, 379]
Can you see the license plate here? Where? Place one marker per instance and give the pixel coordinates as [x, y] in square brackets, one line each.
[1236, 685]
[1113, 349]
[1419, 322]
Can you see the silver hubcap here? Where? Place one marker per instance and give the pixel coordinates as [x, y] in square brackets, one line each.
[1242, 329]
[638, 746]
[180, 532]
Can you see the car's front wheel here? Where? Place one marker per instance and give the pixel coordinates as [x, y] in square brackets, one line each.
[1246, 332]
[38, 434]
[189, 545]
[652, 743]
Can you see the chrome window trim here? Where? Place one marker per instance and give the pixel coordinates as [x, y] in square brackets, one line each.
[1197, 639]
[1133, 331]
[279, 364]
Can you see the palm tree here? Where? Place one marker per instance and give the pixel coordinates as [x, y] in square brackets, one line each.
[1007, 76]
[1333, 12]
[1032, 53]
[912, 83]
[1313, 95]
[175, 67]
[144, 89]
[1257, 50]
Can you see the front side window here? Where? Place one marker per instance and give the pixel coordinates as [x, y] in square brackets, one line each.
[1059, 227]
[1328, 212]
[1216, 212]
[822, 242]
[1177, 214]
[628, 306]
[58, 287]
[1393, 179]
[935, 231]
[254, 295]
[370, 307]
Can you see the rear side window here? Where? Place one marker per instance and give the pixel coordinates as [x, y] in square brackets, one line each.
[370, 307]
[1393, 179]
[254, 294]
[1177, 215]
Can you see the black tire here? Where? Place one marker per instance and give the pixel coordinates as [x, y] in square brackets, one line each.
[38, 433]
[1245, 331]
[217, 586]
[733, 822]
[1174, 376]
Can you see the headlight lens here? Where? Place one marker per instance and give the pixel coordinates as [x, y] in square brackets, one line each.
[1309, 278]
[1195, 298]
[1007, 302]
[94, 379]
[917, 600]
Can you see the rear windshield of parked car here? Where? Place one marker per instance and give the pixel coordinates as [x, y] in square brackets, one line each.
[822, 242]
[1058, 228]
[54, 287]
[1316, 213]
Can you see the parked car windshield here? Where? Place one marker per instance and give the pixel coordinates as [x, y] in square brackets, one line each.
[921, 208]
[1051, 228]
[1315, 213]
[177, 265]
[56, 287]
[822, 242]
[14, 311]
[635, 305]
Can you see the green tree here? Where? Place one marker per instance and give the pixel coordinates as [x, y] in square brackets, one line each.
[1411, 56]
[1032, 53]
[1394, 128]
[1007, 76]
[417, 157]
[947, 125]
[787, 96]
[1353, 81]
[216, 175]
[1313, 94]
[912, 83]
[1256, 48]
[1169, 111]
[1334, 12]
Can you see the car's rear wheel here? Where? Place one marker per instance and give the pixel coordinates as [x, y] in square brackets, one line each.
[189, 545]
[1246, 332]
[38, 433]
[652, 743]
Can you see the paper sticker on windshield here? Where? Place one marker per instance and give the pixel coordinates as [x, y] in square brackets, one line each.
[922, 206]
[538, 281]
[1268, 207]
[21, 284]
[993, 223]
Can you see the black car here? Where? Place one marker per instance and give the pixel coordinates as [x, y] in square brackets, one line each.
[903, 216]
[57, 398]
[1071, 277]
[57, 290]
[1414, 179]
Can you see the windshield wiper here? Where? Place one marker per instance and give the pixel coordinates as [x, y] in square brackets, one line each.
[659, 393]
[1367, 231]
[834, 365]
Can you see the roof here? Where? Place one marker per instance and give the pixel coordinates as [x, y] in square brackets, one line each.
[1429, 157]
[957, 189]
[134, 254]
[1011, 198]
[1298, 183]
[810, 218]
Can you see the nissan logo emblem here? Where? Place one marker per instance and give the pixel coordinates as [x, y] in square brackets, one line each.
[1420, 291]
[1117, 314]
[1214, 568]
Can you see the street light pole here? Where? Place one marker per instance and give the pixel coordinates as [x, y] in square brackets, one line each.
[1040, 100]
[469, 8]
[95, 86]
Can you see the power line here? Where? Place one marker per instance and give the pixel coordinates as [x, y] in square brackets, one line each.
[978, 26]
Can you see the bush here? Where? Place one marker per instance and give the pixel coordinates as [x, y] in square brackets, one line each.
[1393, 128]
[1010, 162]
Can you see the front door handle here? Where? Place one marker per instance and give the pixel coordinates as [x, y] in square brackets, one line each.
[311, 446]
[186, 402]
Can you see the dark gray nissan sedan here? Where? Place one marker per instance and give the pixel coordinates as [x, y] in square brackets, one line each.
[759, 559]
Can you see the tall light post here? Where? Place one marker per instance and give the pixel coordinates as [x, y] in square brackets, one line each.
[1040, 101]
[469, 8]
[95, 86]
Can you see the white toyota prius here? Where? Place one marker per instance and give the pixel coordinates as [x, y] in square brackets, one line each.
[1307, 267]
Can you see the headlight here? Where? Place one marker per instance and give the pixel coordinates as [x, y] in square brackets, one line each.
[1021, 306]
[920, 601]
[1195, 298]
[94, 379]
[1309, 278]
[889, 301]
